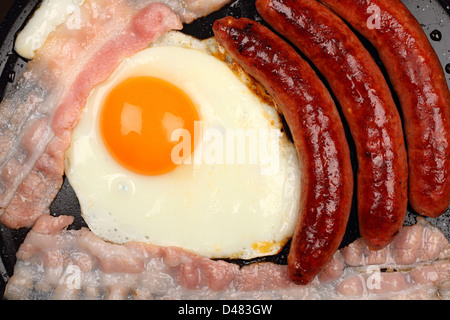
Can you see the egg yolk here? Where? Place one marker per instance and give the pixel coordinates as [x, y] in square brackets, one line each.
[137, 121]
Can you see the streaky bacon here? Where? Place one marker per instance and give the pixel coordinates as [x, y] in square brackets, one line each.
[190, 10]
[38, 115]
[57, 263]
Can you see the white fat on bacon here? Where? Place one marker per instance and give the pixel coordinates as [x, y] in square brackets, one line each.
[50, 14]
[39, 113]
[45, 19]
[56, 263]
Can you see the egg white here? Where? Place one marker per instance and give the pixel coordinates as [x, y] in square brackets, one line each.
[214, 210]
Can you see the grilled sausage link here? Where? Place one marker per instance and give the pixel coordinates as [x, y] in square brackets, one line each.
[367, 104]
[418, 79]
[318, 134]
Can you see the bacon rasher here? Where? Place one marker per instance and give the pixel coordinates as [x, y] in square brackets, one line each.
[56, 263]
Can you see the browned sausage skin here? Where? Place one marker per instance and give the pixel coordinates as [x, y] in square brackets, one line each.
[318, 134]
[367, 104]
[418, 79]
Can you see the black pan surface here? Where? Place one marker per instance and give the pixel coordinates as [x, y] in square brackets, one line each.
[433, 15]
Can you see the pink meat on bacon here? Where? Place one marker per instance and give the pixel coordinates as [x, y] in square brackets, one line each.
[37, 116]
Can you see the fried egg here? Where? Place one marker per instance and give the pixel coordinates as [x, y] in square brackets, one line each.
[176, 149]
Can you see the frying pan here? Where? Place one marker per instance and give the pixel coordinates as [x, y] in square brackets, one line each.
[433, 15]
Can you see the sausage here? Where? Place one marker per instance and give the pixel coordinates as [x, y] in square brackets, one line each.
[418, 79]
[318, 135]
[367, 104]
